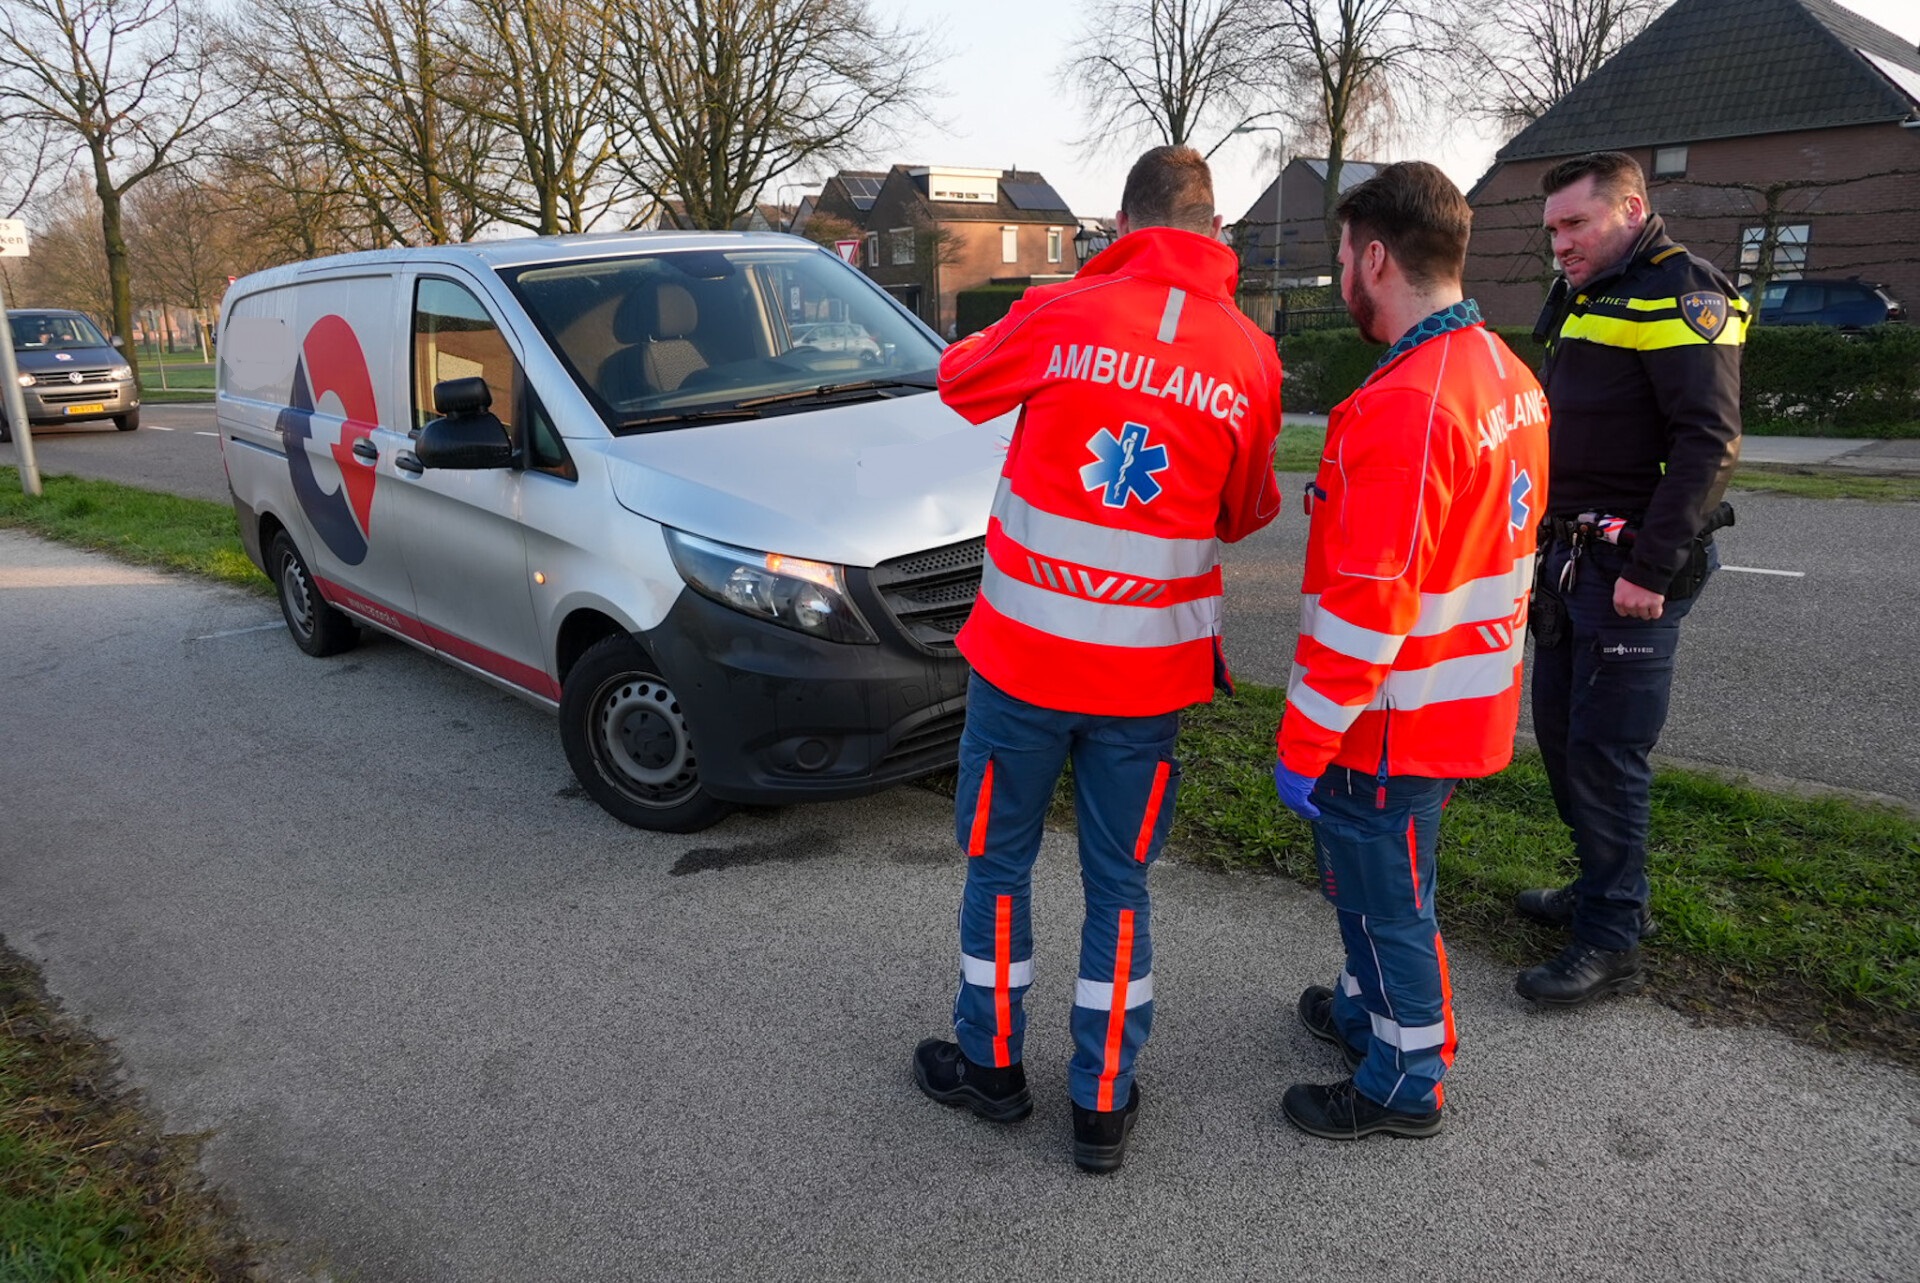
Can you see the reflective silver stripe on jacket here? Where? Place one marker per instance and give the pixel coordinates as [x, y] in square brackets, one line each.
[1098, 994]
[1099, 623]
[1491, 598]
[1463, 677]
[982, 972]
[1408, 1037]
[1142, 556]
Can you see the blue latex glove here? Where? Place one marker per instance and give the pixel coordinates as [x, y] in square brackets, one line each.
[1295, 791]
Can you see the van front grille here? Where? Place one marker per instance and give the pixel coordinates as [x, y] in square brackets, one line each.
[929, 594]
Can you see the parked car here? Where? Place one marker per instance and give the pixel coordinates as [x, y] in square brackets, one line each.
[69, 373]
[595, 472]
[837, 336]
[1846, 305]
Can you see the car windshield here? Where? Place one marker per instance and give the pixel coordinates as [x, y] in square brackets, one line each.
[54, 333]
[663, 339]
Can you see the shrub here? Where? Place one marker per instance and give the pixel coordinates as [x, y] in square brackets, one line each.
[976, 309]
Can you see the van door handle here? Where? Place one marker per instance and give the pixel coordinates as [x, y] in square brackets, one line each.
[407, 463]
[365, 449]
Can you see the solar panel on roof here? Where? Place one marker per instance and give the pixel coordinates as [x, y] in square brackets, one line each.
[862, 189]
[1032, 195]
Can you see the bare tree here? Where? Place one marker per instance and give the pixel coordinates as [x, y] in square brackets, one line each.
[283, 198]
[720, 98]
[551, 105]
[123, 82]
[68, 266]
[1523, 56]
[186, 243]
[1175, 72]
[1357, 58]
[375, 87]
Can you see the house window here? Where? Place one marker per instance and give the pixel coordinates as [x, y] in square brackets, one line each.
[1009, 245]
[1670, 162]
[1789, 251]
[1053, 245]
[901, 244]
[873, 249]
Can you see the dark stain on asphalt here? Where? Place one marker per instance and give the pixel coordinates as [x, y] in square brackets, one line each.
[795, 850]
[343, 669]
[455, 724]
[571, 791]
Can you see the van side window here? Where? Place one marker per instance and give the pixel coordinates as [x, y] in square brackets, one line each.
[546, 452]
[454, 338]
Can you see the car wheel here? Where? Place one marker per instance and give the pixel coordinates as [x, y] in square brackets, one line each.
[127, 422]
[317, 628]
[630, 744]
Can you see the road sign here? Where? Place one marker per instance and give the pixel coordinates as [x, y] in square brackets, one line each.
[13, 238]
[849, 250]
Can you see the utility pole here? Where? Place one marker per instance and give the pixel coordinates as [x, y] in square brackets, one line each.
[13, 244]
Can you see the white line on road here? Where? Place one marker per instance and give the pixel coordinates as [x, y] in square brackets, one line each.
[1756, 570]
[154, 427]
[206, 434]
[240, 632]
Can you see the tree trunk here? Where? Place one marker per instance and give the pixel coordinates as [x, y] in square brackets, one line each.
[119, 269]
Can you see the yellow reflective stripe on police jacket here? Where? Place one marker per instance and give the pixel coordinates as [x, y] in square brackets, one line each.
[1660, 327]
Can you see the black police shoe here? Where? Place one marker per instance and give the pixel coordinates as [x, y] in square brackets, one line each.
[1100, 1135]
[1554, 906]
[1316, 1017]
[1339, 1112]
[945, 1074]
[1580, 974]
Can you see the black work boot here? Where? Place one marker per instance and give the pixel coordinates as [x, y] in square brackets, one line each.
[1554, 906]
[945, 1074]
[1339, 1112]
[1316, 1017]
[1580, 974]
[1100, 1136]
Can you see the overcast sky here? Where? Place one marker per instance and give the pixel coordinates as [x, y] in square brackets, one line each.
[1004, 106]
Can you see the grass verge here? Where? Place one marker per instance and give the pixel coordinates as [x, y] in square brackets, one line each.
[88, 1188]
[1780, 910]
[141, 526]
[176, 396]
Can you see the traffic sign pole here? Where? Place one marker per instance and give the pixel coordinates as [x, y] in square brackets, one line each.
[13, 244]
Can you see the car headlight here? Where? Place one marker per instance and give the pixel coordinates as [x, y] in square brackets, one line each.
[807, 596]
[26, 380]
[120, 372]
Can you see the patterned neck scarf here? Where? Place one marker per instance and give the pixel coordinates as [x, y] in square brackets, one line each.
[1456, 317]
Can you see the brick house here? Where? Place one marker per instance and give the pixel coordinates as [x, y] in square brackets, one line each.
[932, 231]
[1780, 138]
[1306, 258]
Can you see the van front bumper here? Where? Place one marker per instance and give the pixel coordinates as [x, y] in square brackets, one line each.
[49, 402]
[778, 716]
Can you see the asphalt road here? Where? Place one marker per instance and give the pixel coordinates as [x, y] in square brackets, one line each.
[1805, 676]
[442, 1019]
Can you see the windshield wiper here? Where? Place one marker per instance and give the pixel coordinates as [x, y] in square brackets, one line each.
[715, 414]
[835, 389]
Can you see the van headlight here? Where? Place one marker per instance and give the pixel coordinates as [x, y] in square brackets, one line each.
[26, 380]
[807, 596]
[120, 372]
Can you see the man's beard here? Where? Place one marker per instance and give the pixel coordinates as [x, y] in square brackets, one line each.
[1364, 310]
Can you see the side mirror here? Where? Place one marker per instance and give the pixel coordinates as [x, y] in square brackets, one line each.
[466, 435]
[117, 341]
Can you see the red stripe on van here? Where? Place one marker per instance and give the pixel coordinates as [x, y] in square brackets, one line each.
[522, 675]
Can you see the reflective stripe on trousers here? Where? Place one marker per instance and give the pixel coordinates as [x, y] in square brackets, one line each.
[1125, 787]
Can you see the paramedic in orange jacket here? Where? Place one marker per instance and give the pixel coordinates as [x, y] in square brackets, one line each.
[1148, 411]
[1406, 677]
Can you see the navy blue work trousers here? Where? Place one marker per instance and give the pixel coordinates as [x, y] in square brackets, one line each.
[1599, 702]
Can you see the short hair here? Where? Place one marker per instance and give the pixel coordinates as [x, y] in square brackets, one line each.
[1170, 187]
[1418, 214]
[1614, 173]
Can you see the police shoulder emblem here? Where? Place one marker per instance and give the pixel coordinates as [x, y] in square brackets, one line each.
[1705, 313]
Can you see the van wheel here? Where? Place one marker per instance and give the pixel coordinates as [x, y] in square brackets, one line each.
[629, 742]
[127, 422]
[317, 628]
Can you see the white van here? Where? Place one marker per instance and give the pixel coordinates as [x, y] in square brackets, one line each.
[615, 475]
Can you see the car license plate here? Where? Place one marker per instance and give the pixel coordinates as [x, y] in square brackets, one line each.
[94, 408]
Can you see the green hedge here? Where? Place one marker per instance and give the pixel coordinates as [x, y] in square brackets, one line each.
[1802, 381]
[976, 309]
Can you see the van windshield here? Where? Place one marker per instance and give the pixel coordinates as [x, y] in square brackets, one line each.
[665, 339]
[53, 333]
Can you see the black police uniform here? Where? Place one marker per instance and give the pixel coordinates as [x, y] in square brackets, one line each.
[1643, 379]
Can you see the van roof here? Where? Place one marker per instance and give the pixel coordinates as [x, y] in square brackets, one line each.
[524, 250]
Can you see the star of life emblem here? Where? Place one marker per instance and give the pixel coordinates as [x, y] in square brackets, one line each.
[1519, 511]
[1124, 466]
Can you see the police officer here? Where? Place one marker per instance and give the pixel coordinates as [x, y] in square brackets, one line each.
[1148, 411]
[1643, 377]
[1407, 672]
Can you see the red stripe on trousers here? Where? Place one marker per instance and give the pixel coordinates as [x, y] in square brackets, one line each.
[982, 805]
[1413, 862]
[1002, 967]
[1117, 1016]
[1145, 840]
[1446, 1016]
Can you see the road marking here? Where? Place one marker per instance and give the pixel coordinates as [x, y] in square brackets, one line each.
[1756, 570]
[240, 632]
[154, 427]
[206, 434]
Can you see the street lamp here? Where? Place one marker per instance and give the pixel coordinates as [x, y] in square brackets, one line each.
[1278, 209]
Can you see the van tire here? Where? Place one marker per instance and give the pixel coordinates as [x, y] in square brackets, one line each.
[127, 422]
[630, 744]
[317, 628]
